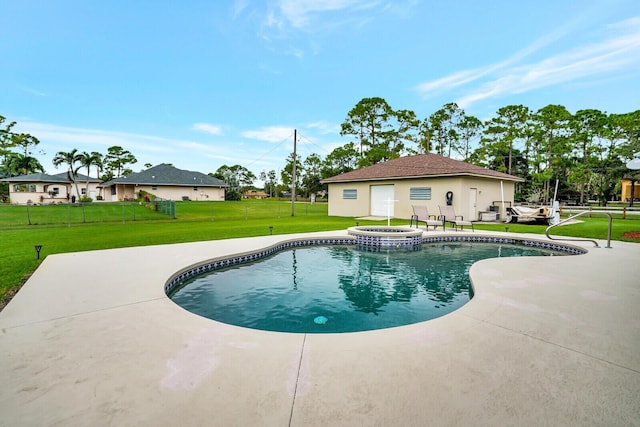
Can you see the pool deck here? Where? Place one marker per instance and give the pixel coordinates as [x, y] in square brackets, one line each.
[545, 341]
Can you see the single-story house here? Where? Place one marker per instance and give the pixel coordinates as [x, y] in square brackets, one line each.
[167, 182]
[254, 194]
[391, 188]
[39, 188]
[626, 185]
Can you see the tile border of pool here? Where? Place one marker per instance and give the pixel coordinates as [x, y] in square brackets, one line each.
[236, 259]
[545, 340]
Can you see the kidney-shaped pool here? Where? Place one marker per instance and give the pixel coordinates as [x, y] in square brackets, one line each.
[342, 288]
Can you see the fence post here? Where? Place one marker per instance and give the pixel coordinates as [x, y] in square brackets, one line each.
[624, 212]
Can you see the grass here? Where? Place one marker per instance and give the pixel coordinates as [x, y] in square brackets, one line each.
[103, 226]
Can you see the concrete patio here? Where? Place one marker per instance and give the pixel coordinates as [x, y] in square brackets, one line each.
[545, 341]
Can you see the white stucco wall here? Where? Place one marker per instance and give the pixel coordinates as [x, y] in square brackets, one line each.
[487, 191]
[130, 191]
[42, 196]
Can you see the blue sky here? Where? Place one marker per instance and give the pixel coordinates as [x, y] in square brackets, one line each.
[204, 83]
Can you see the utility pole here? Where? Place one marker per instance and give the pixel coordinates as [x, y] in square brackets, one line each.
[293, 174]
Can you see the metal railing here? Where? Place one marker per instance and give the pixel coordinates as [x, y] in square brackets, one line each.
[582, 240]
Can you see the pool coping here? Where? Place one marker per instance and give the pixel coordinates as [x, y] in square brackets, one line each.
[544, 341]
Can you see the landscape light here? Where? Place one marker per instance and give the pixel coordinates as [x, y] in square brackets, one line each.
[38, 248]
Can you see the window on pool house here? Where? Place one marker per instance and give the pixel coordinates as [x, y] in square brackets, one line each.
[350, 194]
[420, 193]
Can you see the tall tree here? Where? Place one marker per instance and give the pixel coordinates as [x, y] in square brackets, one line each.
[470, 129]
[312, 174]
[506, 129]
[588, 129]
[238, 177]
[341, 160]
[117, 159]
[270, 180]
[25, 142]
[286, 174]
[442, 129]
[405, 131]
[552, 146]
[6, 140]
[69, 158]
[369, 122]
[87, 160]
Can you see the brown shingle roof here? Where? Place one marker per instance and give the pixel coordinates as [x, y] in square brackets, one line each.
[419, 166]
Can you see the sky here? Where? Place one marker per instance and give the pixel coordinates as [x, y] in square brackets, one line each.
[201, 84]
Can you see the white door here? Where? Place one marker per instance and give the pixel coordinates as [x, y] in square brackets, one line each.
[473, 201]
[382, 200]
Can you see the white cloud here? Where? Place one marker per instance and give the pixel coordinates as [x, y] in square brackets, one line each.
[239, 6]
[298, 13]
[33, 91]
[618, 53]
[286, 20]
[270, 134]
[324, 127]
[208, 128]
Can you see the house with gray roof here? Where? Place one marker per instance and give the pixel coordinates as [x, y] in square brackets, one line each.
[42, 188]
[167, 182]
[391, 188]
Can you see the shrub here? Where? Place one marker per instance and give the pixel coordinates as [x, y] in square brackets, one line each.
[86, 199]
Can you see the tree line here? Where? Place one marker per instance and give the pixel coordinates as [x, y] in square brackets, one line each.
[586, 151]
[17, 158]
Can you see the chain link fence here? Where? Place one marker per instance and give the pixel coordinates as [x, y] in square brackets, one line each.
[79, 213]
[112, 212]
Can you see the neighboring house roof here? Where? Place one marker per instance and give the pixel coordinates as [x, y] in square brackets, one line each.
[61, 178]
[419, 166]
[37, 177]
[79, 177]
[165, 174]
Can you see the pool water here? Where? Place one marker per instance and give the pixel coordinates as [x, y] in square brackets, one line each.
[328, 289]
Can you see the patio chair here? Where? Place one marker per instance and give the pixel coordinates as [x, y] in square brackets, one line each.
[421, 214]
[448, 215]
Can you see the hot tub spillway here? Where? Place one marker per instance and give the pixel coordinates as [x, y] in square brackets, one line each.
[386, 236]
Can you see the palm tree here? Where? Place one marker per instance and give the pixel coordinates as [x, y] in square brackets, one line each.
[18, 163]
[87, 160]
[98, 163]
[70, 159]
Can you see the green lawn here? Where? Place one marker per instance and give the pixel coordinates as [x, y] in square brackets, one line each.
[61, 228]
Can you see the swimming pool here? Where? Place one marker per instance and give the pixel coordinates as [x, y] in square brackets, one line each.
[341, 288]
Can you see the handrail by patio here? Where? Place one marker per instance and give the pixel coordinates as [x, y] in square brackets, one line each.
[582, 240]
